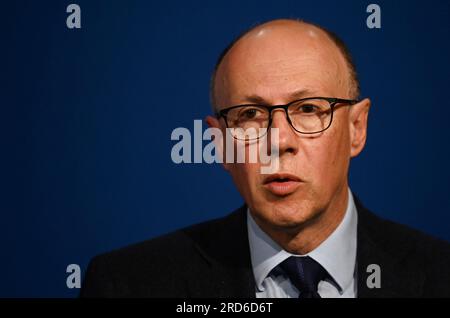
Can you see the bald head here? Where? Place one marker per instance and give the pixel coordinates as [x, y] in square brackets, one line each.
[279, 51]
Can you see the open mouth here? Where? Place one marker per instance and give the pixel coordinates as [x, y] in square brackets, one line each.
[282, 184]
[281, 177]
[281, 180]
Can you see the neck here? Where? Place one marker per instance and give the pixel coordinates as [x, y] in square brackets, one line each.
[312, 233]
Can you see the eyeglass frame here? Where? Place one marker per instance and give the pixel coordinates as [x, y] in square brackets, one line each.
[332, 100]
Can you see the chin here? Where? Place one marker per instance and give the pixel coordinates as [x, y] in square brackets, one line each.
[282, 215]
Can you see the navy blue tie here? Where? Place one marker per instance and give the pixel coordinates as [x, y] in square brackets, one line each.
[305, 274]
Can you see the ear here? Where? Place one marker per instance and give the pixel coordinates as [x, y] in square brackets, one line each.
[358, 126]
[213, 122]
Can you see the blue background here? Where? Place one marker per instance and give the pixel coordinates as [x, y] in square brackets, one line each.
[86, 118]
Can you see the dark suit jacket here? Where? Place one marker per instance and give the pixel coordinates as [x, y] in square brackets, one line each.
[212, 259]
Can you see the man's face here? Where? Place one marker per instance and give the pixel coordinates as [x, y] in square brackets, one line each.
[275, 65]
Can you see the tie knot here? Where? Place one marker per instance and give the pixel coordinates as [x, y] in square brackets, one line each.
[305, 274]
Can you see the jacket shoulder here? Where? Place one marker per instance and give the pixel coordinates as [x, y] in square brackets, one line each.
[156, 267]
[396, 237]
[416, 256]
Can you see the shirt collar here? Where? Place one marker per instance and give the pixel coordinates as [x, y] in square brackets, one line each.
[337, 254]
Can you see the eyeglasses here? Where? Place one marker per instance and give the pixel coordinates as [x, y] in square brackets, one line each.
[310, 115]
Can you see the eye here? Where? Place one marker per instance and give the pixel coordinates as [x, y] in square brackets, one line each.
[249, 113]
[308, 109]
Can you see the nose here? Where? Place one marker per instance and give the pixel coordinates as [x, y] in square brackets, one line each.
[287, 142]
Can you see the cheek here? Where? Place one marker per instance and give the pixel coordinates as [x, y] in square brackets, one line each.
[328, 157]
[246, 178]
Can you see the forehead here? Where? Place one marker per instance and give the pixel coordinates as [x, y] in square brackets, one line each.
[275, 61]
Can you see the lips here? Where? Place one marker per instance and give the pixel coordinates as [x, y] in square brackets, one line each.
[282, 184]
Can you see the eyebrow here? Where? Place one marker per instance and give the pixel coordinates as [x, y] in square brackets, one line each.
[301, 93]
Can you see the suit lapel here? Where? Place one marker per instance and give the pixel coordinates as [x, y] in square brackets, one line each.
[228, 271]
[398, 277]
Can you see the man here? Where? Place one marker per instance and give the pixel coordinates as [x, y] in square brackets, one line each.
[302, 233]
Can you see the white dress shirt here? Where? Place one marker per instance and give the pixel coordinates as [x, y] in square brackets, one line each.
[337, 254]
